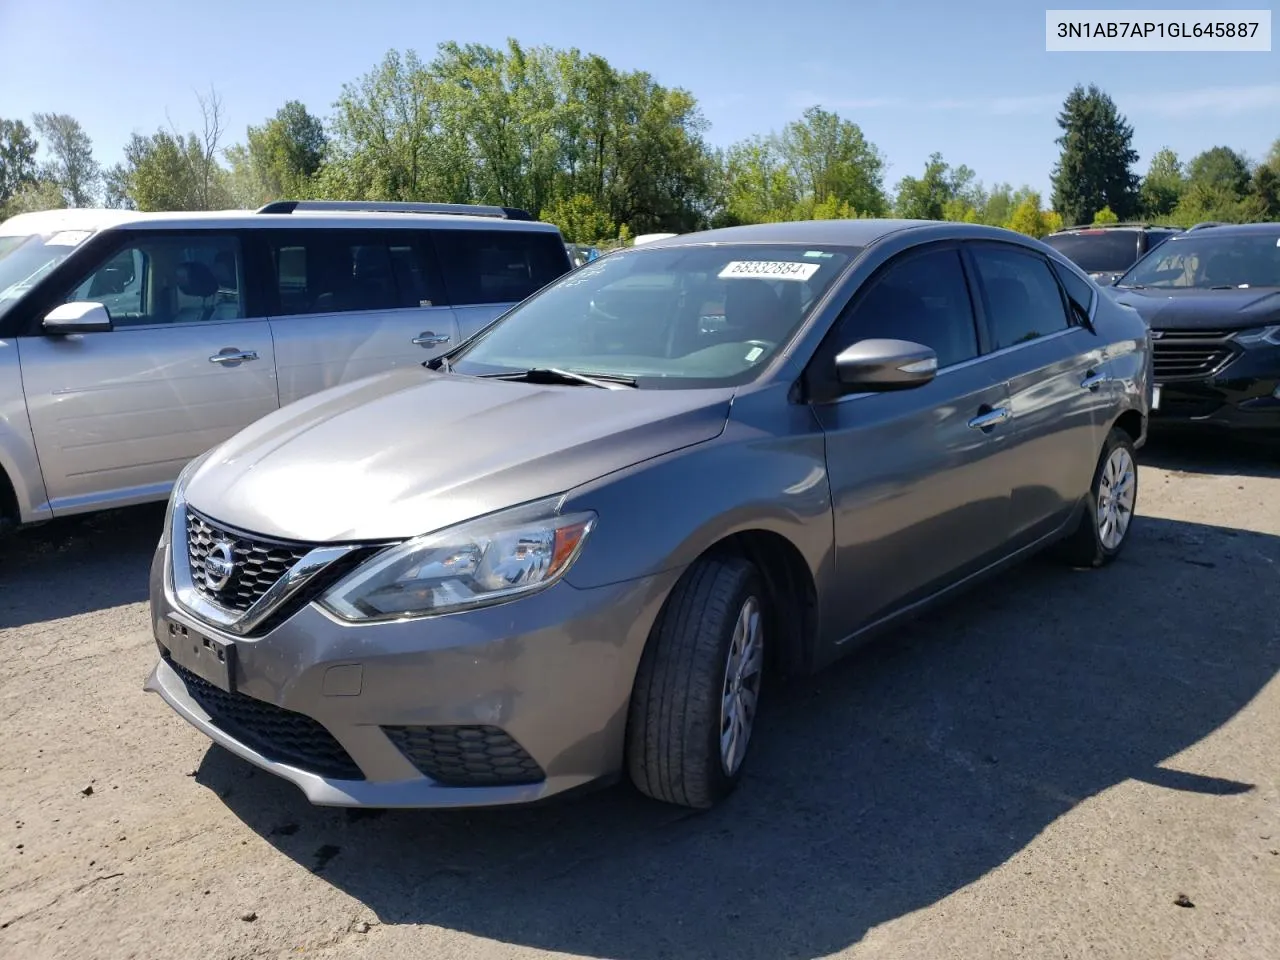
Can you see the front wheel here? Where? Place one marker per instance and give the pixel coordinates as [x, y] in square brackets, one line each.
[1109, 507]
[697, 690]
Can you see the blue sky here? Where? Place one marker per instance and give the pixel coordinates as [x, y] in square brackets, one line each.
[971, 80]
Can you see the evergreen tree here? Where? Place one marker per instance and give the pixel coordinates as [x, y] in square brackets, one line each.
[1095, 167]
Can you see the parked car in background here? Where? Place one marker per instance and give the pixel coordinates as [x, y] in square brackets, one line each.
[133, 342]
[580, 253]
[1212, 299]
[1105, 252]
[577, 544]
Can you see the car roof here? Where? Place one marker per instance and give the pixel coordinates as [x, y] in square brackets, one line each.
[1097, 229]
[96, 219]
[1235, 229]
[854, 233]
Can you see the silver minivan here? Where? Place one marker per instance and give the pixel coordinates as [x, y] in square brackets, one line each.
[131, 343]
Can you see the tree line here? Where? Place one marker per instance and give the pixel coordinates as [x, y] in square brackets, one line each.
[605, 154]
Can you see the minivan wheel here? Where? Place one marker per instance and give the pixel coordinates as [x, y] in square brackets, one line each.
[697, 689]
[1109, 508]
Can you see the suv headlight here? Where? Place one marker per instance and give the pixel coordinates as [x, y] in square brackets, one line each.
[1269, 335]
[478, 563]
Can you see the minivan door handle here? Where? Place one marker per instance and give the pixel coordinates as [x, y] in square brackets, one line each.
[231, 355]
[1094, 380]
[985, 421]
[429, 339]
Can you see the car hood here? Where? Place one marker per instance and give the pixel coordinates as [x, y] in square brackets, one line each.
[1191, 309]
[412, 451]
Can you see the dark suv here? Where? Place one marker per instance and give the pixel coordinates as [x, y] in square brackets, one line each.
[1106, 252]
[1211, 297]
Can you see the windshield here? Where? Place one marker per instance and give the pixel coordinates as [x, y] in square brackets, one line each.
[25, 259]
[1208, 260]
[1098, 251]
[690, 316]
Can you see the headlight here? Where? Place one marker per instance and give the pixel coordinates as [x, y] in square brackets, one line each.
[1269, 335]
[478, 563]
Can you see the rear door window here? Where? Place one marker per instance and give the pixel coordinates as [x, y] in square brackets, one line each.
[498, 266]
[1021, 296]
[349, 271]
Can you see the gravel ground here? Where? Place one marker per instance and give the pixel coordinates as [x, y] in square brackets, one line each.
[1064, 764]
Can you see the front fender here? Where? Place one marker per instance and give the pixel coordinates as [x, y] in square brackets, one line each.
[663, 514]
[17, 446]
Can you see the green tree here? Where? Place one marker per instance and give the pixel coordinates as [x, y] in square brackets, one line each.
[72, 166]
[1263, 203]
[1104, 216]
[1029, 217]
[1163, 185]
[580, 219]
[1220, 169]
[999, 206]
[927, 198]
[17, 157]
[1094, 168]
[758, 183]
[280, 158]
[33, 196]
[831, 157]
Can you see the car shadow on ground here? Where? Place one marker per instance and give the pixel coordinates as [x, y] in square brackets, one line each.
[1213, 453]
[878, 788]
[77, 565]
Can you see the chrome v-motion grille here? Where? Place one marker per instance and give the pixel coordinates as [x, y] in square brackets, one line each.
[256, 565]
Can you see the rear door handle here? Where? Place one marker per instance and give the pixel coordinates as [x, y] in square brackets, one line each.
[985, 421]
[1094, 380]
[430, 339]
[234, 356]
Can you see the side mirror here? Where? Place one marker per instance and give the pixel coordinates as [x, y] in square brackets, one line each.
[885, 365]
[80, 316]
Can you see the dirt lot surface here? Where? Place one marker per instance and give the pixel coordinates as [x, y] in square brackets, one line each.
[1064, 764]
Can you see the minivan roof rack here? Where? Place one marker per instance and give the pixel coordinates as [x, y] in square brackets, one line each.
[397, 206]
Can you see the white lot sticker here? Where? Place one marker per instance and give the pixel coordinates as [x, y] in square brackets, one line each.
[768, 270]
[67, 238]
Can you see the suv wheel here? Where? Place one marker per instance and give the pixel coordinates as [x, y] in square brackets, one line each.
[698, 686]
[1109, 508]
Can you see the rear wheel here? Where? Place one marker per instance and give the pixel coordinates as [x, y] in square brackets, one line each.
[1109, 507]
[697, 690]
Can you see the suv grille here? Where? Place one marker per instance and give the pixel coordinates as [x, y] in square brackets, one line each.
[278, 734]
[466, 756]
[258, 563]
[1190, 354]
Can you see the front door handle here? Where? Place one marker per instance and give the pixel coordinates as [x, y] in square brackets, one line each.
[1094, 380]
[985, 421]
[430, 339]
[234, 356]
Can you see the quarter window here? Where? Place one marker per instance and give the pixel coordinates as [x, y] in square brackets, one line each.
[923, 298]
[169, 279]
[1022, 298]
[499, 266]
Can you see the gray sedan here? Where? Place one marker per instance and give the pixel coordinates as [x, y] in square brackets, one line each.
[575, 546]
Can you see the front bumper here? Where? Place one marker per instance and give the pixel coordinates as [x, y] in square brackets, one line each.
[505, 705]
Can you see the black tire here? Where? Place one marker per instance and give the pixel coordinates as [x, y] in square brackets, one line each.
[1085, 547]
[673, 731]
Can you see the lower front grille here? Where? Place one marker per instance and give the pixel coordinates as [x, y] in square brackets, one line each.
[280, 735]
[1190, 354]
[466, 756]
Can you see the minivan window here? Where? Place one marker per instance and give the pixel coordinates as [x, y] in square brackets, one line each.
[341, 271]
[25, 259]
[1097, 251]
[1022, 297]
[685, 316]
[923, 298]
[166, 278]
[499, 266]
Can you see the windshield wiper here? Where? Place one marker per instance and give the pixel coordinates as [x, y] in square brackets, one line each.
[604, 381]
[1224, 286]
